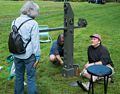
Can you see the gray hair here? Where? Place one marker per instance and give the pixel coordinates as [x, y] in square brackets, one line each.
[30, 8]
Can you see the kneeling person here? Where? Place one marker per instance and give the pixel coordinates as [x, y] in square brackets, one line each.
[57, 50]
[97, 55]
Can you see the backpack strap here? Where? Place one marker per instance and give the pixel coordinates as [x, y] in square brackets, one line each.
[14, 21]
[23, 23]
[30, 38]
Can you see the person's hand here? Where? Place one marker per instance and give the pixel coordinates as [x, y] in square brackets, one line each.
[37, 61]
[35, 64]
[62, 63]
[87, 65]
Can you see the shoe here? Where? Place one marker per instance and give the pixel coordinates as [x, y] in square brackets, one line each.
[1, 67]
[25, 83]
[83, 86]
[95, 78]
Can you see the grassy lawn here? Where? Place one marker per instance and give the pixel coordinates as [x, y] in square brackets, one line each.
[102, 19]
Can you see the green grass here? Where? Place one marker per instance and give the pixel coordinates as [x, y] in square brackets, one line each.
[102, 19]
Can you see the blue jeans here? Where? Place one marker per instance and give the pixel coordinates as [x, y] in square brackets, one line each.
[20, 66]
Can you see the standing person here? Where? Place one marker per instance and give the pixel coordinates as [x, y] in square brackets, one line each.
[57, 50]
[97, 55]
[29, 60]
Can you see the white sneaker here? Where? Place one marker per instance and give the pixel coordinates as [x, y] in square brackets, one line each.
[84, 86]
[1, 67]
[94, 78]
[25, 83]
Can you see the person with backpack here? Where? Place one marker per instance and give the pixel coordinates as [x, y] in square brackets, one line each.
[25, 40]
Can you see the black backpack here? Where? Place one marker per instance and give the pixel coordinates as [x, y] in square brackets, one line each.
[15, 42]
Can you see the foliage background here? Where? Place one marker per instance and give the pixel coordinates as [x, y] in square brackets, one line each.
[67, 0]
[102, 19]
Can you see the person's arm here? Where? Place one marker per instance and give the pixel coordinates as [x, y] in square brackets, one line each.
[59, 59]
[105, 57]
[35, 42]
[56, 52]
[98, 63]
[94, 63]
